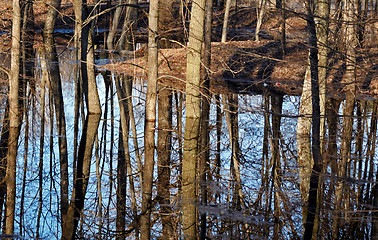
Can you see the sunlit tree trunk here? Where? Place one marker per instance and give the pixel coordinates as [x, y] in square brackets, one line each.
[129, 24]
[322, 29]
[113, 27]
[149, 127]
[225, 21]
[305, 160]
[14, 118]
[260, 15]
[44, 79]
[193, 115]
[164, 140]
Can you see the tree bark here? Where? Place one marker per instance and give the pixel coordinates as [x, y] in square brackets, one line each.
[204, 164]
[193, 115]
[44, 79]
[315, 140]
[260, 15]
[225, 21]
[305, 161]
[56, 89]
[164, 148]
[149, 127]
[322, 29]
[14, 118]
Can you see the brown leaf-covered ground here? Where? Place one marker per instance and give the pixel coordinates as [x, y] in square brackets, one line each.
[252, 67]
[242, 66]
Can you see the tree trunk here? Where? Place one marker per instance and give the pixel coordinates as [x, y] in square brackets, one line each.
[193, 115]
[113, 27]
[3, 153]
[276, 106]
[121, 186]
[125, 41]
[225, 21]
[164, 161]
[280, 5]
[305, 161]
[149, 127]
[260, 15]
[84, 154]
[44, 79]
[14, 118]
[56, 89]
[322, 29]
[204, 165]
[315, 140]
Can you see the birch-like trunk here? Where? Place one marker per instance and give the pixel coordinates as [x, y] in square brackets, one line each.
[260, 15]
[305, 161]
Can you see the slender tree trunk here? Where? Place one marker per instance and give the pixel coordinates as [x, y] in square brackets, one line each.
[193, 115]
[113, 27]
[25, 165]
[99, 189]
[44, 79]
[322, 29]
[149, 127]
[56, 89]
[77, 73]
[164, 143]
[128, 26]
[204, 125]
[305, 161]
[225, 21]
[315, 140]
[14, 118]
[260, 15]
[124, 165]
[121, 186]
[3, 153]
[276, 106]
[280, 5]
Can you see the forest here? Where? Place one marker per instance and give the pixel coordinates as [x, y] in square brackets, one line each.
[188, 119]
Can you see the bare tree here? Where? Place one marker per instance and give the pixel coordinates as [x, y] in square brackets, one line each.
[149, 127]
[14, 118]
[315, 140]
[193, 115]
[56, 89]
